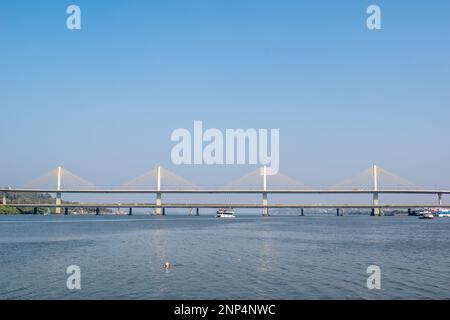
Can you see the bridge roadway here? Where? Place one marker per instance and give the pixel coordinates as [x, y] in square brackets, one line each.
[226, 205]
[226, 191]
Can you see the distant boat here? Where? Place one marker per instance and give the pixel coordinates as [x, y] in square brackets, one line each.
[119, 212]
[225, 213]
[426, 215]
[444, 213]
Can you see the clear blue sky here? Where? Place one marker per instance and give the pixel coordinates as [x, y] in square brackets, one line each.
[104, 100]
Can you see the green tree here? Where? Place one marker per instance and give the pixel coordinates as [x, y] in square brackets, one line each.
[8, 210]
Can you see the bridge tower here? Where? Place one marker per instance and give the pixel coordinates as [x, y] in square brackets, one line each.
[265, 211]
[376, 202]
[58, 188]
[439, 199]
[158, 188]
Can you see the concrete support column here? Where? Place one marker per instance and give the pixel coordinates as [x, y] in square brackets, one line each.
[58, 194]
[375, 201]
[338, 212]
[440, 199]
[4, 198]
[302, 212]
[158, 188]
[265, 211]
[97, 211]
[163, 211]
[130, 212]
[66, 211]
[158, 203]
[197, 212]
[35, 211]
[58, 202]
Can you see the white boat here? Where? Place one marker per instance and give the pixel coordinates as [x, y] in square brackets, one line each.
[225, 213]
[426, 215]
[444, 213]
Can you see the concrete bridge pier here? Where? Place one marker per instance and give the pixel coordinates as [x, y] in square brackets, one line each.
[440, 199]
[97, 211]
[35, 210]
[163, 211]
[130, 212]
[4, 198]
[66, 211]
[58, 194]
[265, 211]
[58, 202]
[158, 188]
[338, 212]
[302, 212]
[197, 212]
[375, 201]
[158, 203]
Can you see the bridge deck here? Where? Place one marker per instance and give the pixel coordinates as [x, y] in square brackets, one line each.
[222, 205]
[228, 191]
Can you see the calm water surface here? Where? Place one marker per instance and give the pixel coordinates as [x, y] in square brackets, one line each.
[315, 257]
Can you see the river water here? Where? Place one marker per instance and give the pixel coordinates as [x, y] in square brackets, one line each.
[250, 257]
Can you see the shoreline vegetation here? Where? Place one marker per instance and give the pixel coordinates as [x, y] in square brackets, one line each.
[41, 198]
[25, 198]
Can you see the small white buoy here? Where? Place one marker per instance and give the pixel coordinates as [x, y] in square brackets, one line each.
[167, 265]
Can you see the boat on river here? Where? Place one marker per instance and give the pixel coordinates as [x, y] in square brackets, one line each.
[225, 213]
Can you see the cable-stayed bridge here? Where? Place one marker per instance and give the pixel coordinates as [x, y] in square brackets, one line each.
[159, 181]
